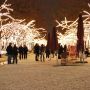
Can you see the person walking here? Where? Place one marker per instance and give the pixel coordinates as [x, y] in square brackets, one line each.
[9, 53]
[15, 54]
[65, 48]
[36, 51]
[64, 56]
[47, 52]
[20, 52]
[25, 50]
[42, 53]
[60, 51]
[87, 52]
[0, 53]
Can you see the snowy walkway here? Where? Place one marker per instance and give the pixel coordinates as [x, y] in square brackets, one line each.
[31, 75]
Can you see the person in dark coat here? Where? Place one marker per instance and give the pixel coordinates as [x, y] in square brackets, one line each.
[86, 52]
[60, 51]
[15, 54]
[36, 51]
[25, 50]
[47, 52]
[9, 53]
[65, 51]
[20, 52]
[0, 53]
[65, 48]
[42, 53]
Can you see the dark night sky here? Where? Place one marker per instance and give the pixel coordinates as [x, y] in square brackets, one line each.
[46, 11]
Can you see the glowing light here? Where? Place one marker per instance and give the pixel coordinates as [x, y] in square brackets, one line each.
[18, 31]
[71, 29]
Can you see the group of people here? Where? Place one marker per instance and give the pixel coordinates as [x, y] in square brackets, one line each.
[62, 51]
[12, 53]
[40, 51]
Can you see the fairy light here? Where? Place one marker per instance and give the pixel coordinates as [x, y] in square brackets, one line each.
[17, 31]
[71, 29]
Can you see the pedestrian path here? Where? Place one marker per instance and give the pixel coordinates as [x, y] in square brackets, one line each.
[31, 75]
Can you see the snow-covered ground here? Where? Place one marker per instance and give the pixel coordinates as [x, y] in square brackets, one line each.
[31, 75]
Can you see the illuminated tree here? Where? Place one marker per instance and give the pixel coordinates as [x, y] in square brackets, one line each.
[17, 31]
[71, 29]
